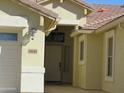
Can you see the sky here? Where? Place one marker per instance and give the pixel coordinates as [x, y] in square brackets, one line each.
[106, 1]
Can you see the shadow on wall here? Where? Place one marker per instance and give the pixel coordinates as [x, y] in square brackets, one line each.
[9, 8]
[71, 8]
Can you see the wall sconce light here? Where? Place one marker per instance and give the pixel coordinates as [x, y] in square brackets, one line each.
[32, 32]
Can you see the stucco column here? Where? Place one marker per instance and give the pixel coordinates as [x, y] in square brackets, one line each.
[75, 61]
[32, 75]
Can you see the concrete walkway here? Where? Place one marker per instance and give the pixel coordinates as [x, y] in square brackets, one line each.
[67, 89]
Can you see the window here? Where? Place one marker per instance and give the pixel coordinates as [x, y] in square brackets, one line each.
[82, 48]
[110, 56]
[109, 66]
[56, 37]
[8, 36]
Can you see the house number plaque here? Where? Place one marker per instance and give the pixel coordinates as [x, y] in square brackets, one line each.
[32, 51]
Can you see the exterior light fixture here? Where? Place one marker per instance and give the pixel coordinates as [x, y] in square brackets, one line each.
[32, 32]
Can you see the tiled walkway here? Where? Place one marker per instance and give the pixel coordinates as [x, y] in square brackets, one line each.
[67, 89]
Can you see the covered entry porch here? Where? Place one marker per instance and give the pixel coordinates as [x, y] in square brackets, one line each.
[59, 56]
[68, 89]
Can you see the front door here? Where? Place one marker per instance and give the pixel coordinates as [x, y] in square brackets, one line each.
[53, 63]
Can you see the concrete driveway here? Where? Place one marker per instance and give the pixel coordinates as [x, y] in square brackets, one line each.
[67, 89]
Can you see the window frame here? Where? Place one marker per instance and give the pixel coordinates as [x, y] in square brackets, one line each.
[109, 35]
[82, 38]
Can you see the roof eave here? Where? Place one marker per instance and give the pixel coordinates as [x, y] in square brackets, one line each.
[54, 17]
[51, 15]
[81, 31]
[85, 5]
[101, 29]
[110, 24]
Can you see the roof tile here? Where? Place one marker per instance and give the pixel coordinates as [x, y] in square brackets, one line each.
[99, 18]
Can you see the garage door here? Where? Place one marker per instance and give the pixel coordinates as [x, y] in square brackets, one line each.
[10, 63]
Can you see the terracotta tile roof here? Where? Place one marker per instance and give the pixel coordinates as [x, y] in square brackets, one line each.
[39, 8]
[102, 15]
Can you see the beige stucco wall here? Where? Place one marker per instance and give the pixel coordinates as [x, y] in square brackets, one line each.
[89, 74]
[117, 85]
[30, 61]
[94, 61]
[79, 70]
[75, 58]
[67, 10]
[12, 9]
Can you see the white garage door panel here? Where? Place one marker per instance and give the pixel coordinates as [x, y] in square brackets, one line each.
[10, 66]
[8, 51]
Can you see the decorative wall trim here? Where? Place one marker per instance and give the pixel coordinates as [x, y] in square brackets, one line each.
[69, 22]
[33, 70]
